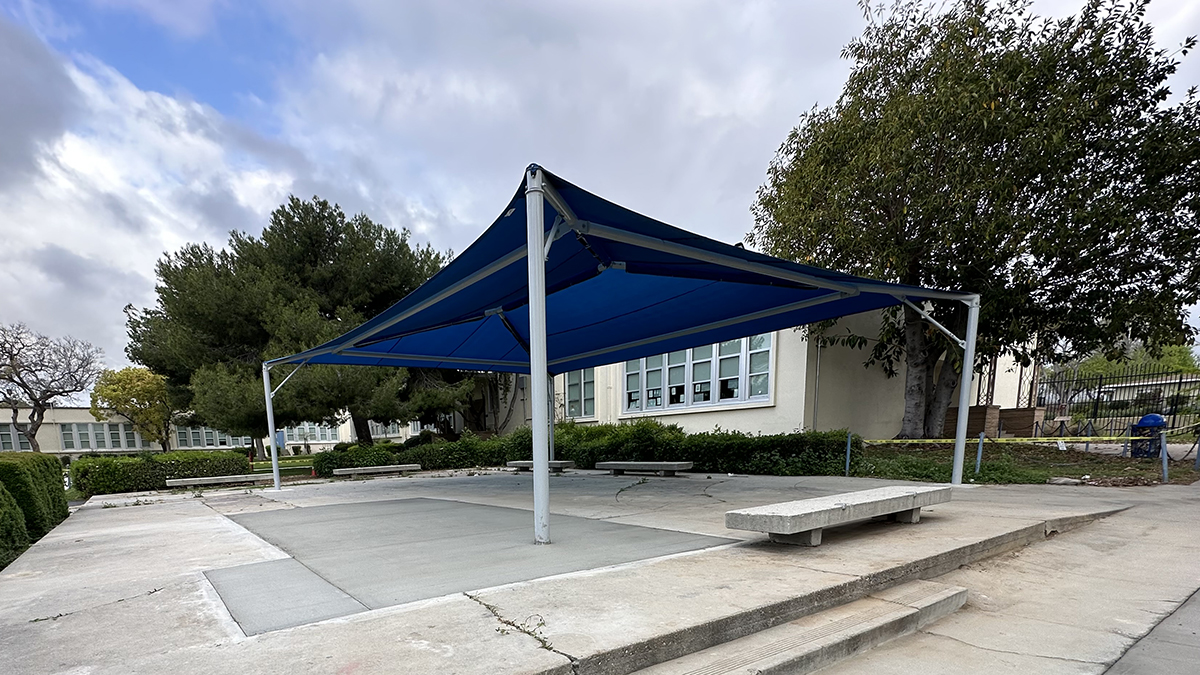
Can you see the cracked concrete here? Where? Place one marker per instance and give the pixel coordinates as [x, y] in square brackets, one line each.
[1089, 585]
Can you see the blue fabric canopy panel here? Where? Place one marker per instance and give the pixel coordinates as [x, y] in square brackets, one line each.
[619, 286]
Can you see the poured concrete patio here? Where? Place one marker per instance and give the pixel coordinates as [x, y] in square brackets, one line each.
[130, 584]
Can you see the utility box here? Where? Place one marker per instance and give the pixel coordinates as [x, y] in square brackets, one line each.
[1147, 436]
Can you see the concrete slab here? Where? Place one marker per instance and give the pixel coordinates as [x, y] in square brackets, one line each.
[279, 594]
[387, 553]
[1173, 646]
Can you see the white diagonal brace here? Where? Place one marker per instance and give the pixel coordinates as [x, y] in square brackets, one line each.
[962, 344]
[685, 251]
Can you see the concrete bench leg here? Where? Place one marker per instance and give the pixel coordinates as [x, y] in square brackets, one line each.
[909, 516]
[666, 474]
[617, 472]
[809, 538]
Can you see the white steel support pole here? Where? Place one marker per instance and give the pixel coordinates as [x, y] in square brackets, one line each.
[535, 254]
[271, 423]
[964, 389]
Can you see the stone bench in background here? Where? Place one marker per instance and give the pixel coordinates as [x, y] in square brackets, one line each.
[661, 468]
[220, 480]
[389, 468]
[556, 465]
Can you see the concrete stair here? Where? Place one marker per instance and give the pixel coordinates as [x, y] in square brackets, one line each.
[818, 640]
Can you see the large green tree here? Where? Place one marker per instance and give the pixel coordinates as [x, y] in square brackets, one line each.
[1040, 163]
[312, 275]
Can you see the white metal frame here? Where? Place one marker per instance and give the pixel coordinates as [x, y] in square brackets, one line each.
[537, 191]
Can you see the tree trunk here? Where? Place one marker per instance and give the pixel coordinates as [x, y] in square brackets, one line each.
[947, 380]
[36, 415]
[916, 375]
[362, 429]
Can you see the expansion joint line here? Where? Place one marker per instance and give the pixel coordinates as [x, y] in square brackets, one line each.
[523, 627]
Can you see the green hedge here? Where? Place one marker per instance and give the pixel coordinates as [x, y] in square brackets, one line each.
[379, 454]
[110, 475]
[14, 538]
[35, 481]
[807, 453]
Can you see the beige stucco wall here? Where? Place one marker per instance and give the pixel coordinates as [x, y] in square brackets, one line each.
[49, 436]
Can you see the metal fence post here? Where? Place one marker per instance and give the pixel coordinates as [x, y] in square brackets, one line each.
[979, 454]
[1125, 445]
[849, 435]
[1162, 449]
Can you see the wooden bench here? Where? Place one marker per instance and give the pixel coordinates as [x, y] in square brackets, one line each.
[661, 468]
[556, 465]
[800, 522]
[390, 468]
[221, 480]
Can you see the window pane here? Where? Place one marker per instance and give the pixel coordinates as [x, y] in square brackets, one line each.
[654, 361]
[729, 388]
[208, 437]
[130, 436]
[704, 352]
[758, 385]
[633, 382]
[114, 435]
[701, 392]
[633, 366]
[68, 437]
[98, 436]
[729, 367]
[633, 394]
[653, 378]
[6, 437]
[633, 400]
[589, 407]
[675, 375]
[759, 362]
[573, 377]
[589, 374]
[181, 437]
[760, 342]
[702, 371]
[731, 347]
[589, 390]
[675, 358]
[85, 439]
[196, 442]
[654, 388]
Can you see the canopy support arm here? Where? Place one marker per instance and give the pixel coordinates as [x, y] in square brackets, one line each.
[268, 394]
[964, 392]
[684, 251]
[536, 258]
[962, 344]
[296, 370]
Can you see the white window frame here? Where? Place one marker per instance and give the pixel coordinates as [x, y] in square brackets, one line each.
[583, 398]
[689, 403]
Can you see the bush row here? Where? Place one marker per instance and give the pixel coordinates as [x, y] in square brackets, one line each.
[109, 475]
[797, 454]
[32, 500]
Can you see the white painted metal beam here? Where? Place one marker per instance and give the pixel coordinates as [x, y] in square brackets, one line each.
[534, 233]
[964, 394]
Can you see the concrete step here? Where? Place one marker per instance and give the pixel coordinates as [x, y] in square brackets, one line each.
[824, 638]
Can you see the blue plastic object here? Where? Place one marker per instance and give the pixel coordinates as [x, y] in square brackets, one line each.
[1147, 441]
[1151, 421]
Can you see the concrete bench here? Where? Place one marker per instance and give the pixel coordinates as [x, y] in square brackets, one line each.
[556, 465]
[220, 480]
[390, 468]
[800, 522]
[661, 468]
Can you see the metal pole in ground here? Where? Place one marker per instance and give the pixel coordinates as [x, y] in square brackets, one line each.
[1125, 445]
[849, 436]
[271, 423]
[535, 232]
[1162, 449]
[964, 393]
[979, 454]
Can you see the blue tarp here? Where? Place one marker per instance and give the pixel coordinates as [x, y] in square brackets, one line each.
[619, 286]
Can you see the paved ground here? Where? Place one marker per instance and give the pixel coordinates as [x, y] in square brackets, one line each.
[121, 586]
[1172, 647]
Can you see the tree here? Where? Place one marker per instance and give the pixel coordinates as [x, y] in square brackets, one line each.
[312, 275]
[139, 396]
[1037, 162]
[36, 371]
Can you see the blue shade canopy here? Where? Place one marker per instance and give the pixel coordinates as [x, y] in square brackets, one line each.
[619, 286]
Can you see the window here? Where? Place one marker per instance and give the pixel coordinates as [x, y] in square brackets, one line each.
[114, 435]
[728, 372]
[181, 437]
[581, 393]
[208, 437]
[98, 436]
[68, 436]
[196, 442]
[83, 432]
[10, 435]
[130, 436]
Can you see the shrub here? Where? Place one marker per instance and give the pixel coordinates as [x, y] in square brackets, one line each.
[424, 438]
[379, 454]
[34, 480]
[110, 475]
[14, 538]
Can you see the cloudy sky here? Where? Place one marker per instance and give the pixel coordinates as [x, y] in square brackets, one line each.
[130, 127]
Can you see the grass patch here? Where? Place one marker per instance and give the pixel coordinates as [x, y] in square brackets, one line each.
[1005, 463]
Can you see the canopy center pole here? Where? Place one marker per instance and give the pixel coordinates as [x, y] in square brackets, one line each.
[964, 389]
[536, 257]
[271, 421]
